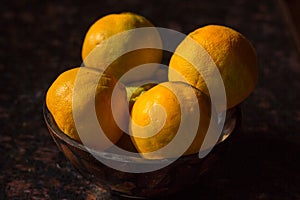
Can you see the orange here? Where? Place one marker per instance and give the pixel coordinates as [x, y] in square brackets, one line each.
[60, 99]
[158, 113]
[232, 53]
[110, 55]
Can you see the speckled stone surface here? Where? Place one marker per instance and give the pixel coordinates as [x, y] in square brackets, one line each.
[40, 39]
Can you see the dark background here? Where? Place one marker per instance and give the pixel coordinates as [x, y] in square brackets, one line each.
[39, 40]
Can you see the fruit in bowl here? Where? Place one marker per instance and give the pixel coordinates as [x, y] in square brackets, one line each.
[115, 42]
[151, 136]
[232, 53]
[74, 91]
[158, 114]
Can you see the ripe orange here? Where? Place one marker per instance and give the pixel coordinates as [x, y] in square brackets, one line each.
[60, 102]
[159, 112]
[233, 55]
[110, 56]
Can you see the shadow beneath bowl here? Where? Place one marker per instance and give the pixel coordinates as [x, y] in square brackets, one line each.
[254, 166]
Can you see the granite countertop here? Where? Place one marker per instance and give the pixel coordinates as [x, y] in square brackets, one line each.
[40, 39]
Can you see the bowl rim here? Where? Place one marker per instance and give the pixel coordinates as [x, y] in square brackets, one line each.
[51, 124]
